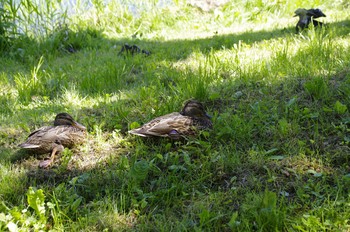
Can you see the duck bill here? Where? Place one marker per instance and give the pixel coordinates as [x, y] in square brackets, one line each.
[79, 126]
[208, 116]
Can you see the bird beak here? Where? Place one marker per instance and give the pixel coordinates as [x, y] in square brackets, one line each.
[79, 126]
[208, 116]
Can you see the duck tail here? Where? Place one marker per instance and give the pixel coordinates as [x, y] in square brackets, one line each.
[28, 145]
[137, 132]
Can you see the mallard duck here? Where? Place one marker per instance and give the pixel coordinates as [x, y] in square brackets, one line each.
[308, 16]
[178, 124]
[65, 132]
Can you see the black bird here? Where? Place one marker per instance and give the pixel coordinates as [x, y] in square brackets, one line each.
[307, 16]
[132, 49]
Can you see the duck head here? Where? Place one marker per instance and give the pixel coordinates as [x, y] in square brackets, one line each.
[194, 109]
[67, 120]
[301, 12]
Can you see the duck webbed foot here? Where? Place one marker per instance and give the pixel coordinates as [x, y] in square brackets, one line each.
[47, 163]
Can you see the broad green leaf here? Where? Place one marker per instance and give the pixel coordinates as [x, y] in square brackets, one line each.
[233, 221]
[76, 204]
[35, 200]
[292, 101]
[271, 151]
[134, 125]
[313, 172]
[277, 157]
[340, 108]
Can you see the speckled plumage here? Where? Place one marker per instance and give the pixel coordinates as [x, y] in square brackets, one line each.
[65, 133]
[175, 125]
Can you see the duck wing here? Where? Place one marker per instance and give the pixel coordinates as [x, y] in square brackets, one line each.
[46, 136]
[40, 140]
[165, 126]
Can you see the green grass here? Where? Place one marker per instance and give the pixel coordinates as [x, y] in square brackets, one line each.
[277, 158]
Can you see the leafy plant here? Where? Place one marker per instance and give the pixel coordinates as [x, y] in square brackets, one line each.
[21, 220]
[340, 108]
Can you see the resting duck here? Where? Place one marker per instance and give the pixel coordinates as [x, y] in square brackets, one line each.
[178, 124]
[65, 133]
[308, 16]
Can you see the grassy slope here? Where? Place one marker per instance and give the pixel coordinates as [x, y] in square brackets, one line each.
[277, 159]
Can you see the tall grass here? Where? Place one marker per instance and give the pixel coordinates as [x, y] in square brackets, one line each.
[28, 87]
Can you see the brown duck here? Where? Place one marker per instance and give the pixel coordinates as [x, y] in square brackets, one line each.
[66, 132]
[175, 125]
